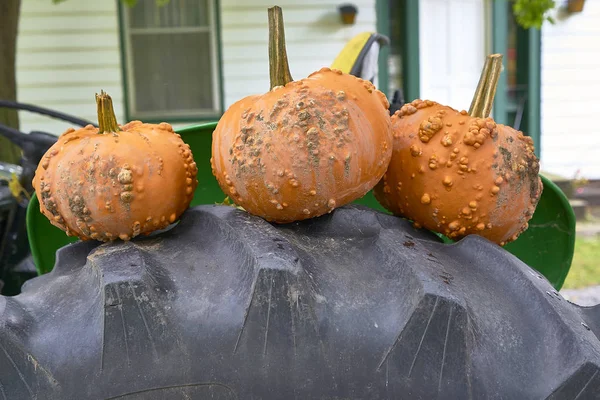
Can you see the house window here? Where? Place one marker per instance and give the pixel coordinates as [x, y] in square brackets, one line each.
[171, 60]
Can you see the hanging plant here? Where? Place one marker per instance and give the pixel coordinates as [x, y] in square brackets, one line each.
[533, 13]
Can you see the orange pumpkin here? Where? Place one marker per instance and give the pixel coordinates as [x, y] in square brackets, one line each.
[115, 181]
[305, 147]
[458, 174]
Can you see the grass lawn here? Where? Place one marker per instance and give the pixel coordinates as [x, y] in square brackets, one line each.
[585, 268]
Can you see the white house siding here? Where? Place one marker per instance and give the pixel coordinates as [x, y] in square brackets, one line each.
[313, 31]
[65, 53]
[571, 94]
[69, 51]
[453, 46]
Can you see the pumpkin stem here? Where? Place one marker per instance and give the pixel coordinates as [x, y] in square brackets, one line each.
[279, 68]
[481, 106]
[107, 121]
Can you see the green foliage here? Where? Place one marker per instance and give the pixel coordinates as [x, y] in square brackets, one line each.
[585, 268]
[532, 13]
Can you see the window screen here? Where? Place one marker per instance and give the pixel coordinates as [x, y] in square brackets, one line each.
[171, 56]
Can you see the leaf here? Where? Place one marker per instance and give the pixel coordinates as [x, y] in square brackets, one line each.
[532, 13]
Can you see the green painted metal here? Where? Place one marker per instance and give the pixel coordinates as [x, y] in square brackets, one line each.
[383, 28]
[500, 45]
[411, 64]
[529, 73]
[535, 89]
[44, 238]
[199, 138]
[549, 242]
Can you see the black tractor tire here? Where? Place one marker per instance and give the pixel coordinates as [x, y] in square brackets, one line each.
[355, 304]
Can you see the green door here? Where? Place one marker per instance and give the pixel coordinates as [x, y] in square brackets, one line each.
[517, 101]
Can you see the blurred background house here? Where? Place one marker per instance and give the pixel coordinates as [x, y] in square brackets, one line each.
[188, 61]
[182, 63]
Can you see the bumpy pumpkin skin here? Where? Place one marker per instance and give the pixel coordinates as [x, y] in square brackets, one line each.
[116, 185]
[460, 175]
[305, 148]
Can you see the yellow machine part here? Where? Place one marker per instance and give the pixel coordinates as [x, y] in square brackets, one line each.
[346, 59]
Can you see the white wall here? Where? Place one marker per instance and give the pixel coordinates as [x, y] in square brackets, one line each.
[452, 51]
[313, 31]
[68, 52]
[571, 94]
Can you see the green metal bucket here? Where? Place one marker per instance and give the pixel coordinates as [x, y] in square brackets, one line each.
[546, 246]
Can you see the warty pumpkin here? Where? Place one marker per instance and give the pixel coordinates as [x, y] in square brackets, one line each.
[305, 147]
[115, 182]
[460, 173]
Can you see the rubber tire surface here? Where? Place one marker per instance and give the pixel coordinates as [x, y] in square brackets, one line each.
[352, 305]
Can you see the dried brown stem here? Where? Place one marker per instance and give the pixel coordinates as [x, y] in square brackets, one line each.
[481, 106]
[107, 121]
[278, 62]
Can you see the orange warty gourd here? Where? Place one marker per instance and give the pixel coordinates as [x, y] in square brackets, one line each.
[115, 181]
[305, 147]
[458, 173]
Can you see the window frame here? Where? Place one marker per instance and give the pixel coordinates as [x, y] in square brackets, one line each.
[172, 116]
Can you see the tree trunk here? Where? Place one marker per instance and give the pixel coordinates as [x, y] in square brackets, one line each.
[9, 22]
